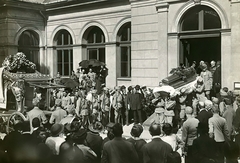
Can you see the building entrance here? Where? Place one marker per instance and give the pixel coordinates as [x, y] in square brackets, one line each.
[200, 49]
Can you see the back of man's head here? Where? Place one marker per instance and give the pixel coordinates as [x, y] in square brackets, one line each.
[208, 104]
[215, 109]
[201, 104]
[155, 129]
[117, 130]
[188, 110]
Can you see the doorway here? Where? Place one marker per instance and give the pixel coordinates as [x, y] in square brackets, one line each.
[200, 49]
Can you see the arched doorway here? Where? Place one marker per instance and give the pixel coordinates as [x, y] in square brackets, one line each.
[200, 37]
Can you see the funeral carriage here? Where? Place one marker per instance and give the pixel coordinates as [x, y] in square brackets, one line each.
[20, 82]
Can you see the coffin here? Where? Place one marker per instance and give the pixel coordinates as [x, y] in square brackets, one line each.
[180, 77]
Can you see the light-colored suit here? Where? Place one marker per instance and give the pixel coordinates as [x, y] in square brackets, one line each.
[218, 127]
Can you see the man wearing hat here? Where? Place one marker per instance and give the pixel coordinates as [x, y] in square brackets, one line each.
[136, 104]
[110, 134]
[36, 112]
[117, 103]
[56, 139]
[82, 152]
[128, 104]
[105, 106]
[58, 114]
[207, 80]
[94, 140]
[118, 150]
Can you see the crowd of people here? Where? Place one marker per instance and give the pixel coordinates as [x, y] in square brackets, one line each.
[206, 116]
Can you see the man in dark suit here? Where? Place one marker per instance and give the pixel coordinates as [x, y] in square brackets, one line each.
[204, 148]
[203, 114]
[217, 79]
[136, 104]
[94, 140]
[157, 150]
[119, 150]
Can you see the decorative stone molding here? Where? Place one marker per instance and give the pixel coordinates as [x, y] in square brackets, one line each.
[162, 7]
[58, 28]
[214, 5]
[197, 2]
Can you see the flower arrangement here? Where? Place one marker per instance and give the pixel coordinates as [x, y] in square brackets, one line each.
[18, 63]
[183, 71]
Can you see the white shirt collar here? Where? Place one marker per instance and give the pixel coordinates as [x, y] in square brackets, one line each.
[153, 137]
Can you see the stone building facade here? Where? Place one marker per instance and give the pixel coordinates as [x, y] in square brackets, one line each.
[139, 40]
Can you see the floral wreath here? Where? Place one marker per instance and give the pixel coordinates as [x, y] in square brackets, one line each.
[14, 62]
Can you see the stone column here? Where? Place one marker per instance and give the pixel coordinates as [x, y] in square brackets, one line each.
[77, 57]
[233, 65]
[110, 52]
[226, 59]
[162, 9]
[173, 52]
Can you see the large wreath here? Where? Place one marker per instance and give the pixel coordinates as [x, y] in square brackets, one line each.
[18, 63]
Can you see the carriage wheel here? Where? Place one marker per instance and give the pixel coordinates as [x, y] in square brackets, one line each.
[14, 117]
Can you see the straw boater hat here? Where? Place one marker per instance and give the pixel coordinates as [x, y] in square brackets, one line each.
[96, 127]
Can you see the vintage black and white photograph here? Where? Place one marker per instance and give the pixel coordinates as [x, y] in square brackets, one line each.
[119, 81]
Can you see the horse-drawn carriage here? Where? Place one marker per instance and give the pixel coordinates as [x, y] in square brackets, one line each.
[20, 82]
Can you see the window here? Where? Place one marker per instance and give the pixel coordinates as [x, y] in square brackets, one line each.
[64, 53]
[124, 38]
[28, 43]
[200, 18]
[95, 44]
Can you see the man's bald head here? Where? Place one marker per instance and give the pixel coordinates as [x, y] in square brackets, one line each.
[155, 129]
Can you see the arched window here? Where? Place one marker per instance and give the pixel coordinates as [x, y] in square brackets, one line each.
[63, 41]
[28, 43]
[200, 18]
[95, 44]
[124, 40]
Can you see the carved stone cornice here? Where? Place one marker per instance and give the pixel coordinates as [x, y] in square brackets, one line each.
[162, 7]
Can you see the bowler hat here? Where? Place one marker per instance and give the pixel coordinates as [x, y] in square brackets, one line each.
[56, 129]
[137, 87]
[79, 136]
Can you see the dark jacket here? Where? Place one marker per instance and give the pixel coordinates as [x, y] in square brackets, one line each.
[94, 141]
[204, 149]
[138, 144]
[217, 76]
[156, 151]
[203, 116]
[119, 150]
[136, 101]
